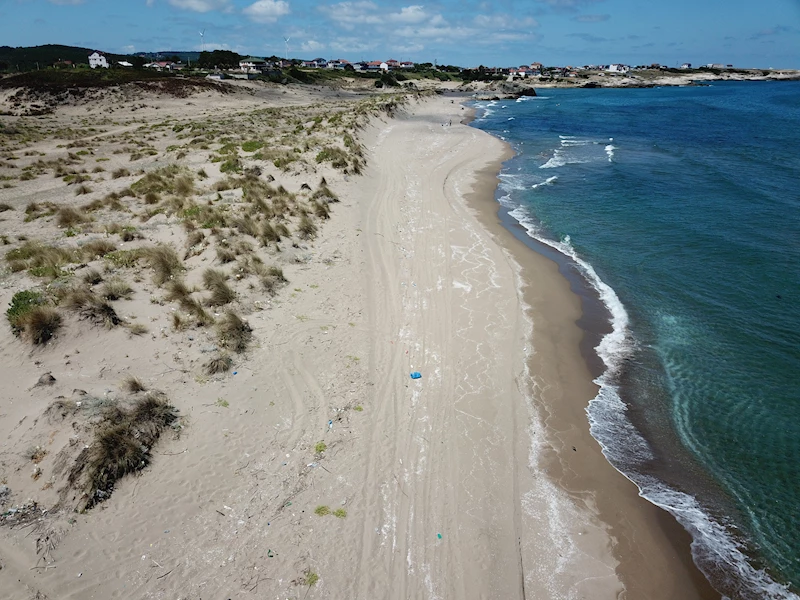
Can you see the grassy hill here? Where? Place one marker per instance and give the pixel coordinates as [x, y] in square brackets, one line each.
[33, 57]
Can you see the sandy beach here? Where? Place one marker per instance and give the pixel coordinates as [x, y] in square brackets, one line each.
[315, 466]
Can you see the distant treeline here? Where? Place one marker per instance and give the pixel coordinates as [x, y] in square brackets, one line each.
[42, 57]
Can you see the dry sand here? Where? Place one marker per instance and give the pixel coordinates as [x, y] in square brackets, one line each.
[461, 484]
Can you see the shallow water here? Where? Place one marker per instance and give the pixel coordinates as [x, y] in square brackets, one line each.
[681, 207]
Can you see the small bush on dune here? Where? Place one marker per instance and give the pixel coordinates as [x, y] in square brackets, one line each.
[306, 228]
[133, 385]
[177, 291]
[321, 209]
[195, 308]
[69, 217]
[21, 304]
[137, 328]
[82, 189]
[125, 258]
[216, 282]
[122, 446]
[324, 193]
[43, 261]
[165, 262]
[184, 186]
[92, 277]
[4, 207]
[97, 249]
[272, 282]
[91, 308]
[121, 172]
[151, 198]
[115, 289]
[225, 255]
[40, 324]
[247, 226]
[195, 238]
[234, 333]
[219, 364]
[269, 234]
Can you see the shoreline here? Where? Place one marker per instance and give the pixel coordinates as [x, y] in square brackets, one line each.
[652, 548]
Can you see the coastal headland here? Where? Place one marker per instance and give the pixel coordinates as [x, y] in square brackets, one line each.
[234, 285]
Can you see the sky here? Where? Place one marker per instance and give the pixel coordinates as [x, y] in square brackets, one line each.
[467, 33]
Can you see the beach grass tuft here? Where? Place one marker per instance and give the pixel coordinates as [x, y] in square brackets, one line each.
[234, 333]
[116, 289]
[165, 263]
[218, 364]
[306, 228]
[41, 324]
[216, 282]
[133, 385]
[122, 445]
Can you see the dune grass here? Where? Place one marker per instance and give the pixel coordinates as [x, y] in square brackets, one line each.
[216, 282]
[218, 364]
[90, 307]
[122, 445]
[116, 289]
[165, 263]
[133, 385]
[234, 333]
[40, 324]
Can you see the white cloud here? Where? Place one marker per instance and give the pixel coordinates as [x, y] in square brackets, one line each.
[201, 6]
[211, 46]
[311, 46]
[505, 22]
[592, 18]
[352, 44]
[267, 11]
[351, 14]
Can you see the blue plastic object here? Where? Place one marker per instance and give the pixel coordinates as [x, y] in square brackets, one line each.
[416, 375]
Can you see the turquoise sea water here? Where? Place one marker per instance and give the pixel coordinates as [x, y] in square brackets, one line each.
[681, 207]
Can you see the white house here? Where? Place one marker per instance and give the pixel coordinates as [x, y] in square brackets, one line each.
[251, 64]
[686, 66]
[616, 68]
[97, 60]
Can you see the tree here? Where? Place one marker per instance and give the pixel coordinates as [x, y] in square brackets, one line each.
[223, 59]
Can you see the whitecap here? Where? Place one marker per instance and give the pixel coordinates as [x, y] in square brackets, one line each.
[548, 181]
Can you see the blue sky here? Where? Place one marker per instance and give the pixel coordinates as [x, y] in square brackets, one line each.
[463, 32]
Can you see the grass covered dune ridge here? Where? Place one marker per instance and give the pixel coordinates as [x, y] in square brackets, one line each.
[149, 232]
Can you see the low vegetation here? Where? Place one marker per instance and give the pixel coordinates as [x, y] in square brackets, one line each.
[234, 333]
[124, 438]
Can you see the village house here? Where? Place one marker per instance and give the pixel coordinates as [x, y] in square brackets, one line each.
[161, 65]
[339, 64]
[252, 64]
[96, 59]
[407, 64]
[686, 66]
[376, 65]
[617, 68]
[317, 63]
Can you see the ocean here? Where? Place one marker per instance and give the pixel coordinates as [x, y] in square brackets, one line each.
[680, 208]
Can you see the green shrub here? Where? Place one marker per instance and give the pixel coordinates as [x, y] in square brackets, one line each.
[21, 304]
[252, 146]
